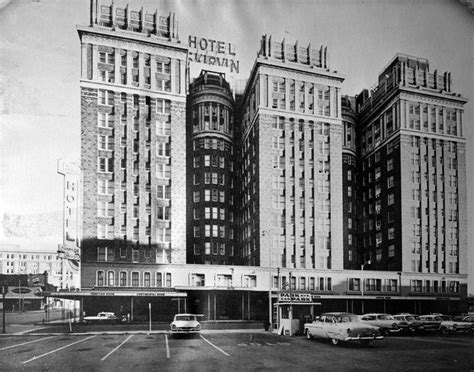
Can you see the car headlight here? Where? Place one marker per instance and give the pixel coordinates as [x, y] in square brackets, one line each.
[173, 326]
[198, 328]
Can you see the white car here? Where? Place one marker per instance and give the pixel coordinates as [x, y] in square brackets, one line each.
[185, 324]
[342, 327]
[448, 325]
[102, 317]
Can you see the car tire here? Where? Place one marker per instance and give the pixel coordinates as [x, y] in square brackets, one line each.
[445, 331]
[335, 341]
[308, 335]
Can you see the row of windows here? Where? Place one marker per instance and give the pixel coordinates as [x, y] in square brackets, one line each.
[212, 195]
[214, 248]
[214, 161]
[216, 231]
[135, 279]
[109, 97]
[434, 286]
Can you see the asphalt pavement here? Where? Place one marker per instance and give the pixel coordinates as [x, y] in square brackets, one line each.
[218, 350]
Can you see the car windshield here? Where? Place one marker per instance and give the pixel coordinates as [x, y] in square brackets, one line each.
[385, 317]
[410, 317]
[346, 318]
[444, 317]
[185, 317]
[416, 317]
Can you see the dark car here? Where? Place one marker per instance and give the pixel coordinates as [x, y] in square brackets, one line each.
[413, 323]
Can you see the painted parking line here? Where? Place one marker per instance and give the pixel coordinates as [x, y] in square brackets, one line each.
[55, 350]
[214, 346]
[118, 347]
[25, 343]
[167, 347]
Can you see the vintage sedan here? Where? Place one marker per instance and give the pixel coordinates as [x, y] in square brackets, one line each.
[185, 324]
[414, 323]
[386, 322]
[448, 325]
[342, 327]
[102, 317]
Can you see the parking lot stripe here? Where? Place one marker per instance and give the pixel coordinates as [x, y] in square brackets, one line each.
[167, 347]
[61, 348]
[25, 343]
[114, 350]
[214, 346]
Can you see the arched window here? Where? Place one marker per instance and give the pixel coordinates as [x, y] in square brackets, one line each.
[111, 278]
[146, 279]
[135, 279]
[100, 278]
[123, 278]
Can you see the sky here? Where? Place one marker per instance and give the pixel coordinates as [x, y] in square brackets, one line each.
[40, 67]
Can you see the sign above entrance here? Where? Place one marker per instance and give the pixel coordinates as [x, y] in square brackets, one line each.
[213, 52]
[297, 297]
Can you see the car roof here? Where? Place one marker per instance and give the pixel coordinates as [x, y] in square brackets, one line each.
[337, 313]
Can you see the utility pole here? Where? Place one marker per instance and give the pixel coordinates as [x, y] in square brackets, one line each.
[4, 292]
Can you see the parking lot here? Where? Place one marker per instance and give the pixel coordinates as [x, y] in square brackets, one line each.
[239, 351]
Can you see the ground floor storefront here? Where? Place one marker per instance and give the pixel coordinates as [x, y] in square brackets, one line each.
[247, 305]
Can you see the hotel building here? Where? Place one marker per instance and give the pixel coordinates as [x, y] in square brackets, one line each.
[210, 164]
[413, 172]
[193, 202]
[291, 160]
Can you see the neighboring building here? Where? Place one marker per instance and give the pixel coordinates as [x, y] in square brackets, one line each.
[20, 258]
[413, 172]
[291, 212]
[210, 164]
[349, 183]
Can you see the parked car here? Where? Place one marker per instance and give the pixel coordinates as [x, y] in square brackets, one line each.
[342, 327]
[447, 324]
[429, 325]
[102, 317]
[413, 323]
[185, 324]
[468, 319]
[386, 322]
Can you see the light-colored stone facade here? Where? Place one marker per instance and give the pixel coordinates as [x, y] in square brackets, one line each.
[292, 164]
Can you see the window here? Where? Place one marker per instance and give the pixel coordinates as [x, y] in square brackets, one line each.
[100, 278]
[390, 199]
[123, 278]
[354, 284]
[197, 280]
[391, 233]
[250, 281]
[163, 106]
[111, 278]
[135, 279]
[146, 279]
[416, 285]
[159, 279]
[106, 97]
[106, 164]
[391, 285]
[164, 192]
[389, 165]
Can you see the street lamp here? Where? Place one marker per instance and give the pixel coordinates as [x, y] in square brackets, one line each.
[363, 282]
[264, 233]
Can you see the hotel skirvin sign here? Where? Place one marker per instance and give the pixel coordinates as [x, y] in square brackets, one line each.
[213, 52]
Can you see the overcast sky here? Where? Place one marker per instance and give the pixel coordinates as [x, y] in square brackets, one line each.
[40, 66]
